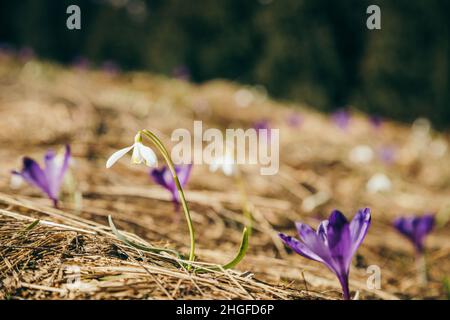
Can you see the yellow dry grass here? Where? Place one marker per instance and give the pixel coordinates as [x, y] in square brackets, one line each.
[43, 106]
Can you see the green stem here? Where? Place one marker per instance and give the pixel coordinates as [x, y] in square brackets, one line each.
[245, 203]
[155, 140]
[421, 268]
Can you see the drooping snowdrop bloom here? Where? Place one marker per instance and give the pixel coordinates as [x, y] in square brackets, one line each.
[49, 179]
[341, 119]
[415, 228]
[140, 154]
[225, 162]
[334, 243]
[164, 178]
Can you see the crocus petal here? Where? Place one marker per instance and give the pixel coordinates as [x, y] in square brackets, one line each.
[322, 232]
[158, 176]
[183, 173]
[426, 224]
[65, 164]
[339, 241]
[415, 229]
[52, 174]
[358, 228]
[34, 175]
[299, 247]
[313, 242]
[116, 156]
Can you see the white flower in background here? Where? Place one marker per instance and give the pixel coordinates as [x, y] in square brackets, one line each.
[225, 162]
[140, 154]
[361, 154]
[438, 148]
[379, 182]
[313, 201]
[16, 181]
[243, 98]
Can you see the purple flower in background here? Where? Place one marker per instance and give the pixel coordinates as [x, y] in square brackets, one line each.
[6, 49]
[341, 118]
[81, 63]
[376, 121]
[25, 54]
[294, 120]
[334, 243]
[415, 228]
[110, 67]
[387, 154]
[49, 178]
[263, 125]
[164, 178]
[181, 72]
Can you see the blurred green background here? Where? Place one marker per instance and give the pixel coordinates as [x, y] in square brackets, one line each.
[314, 51]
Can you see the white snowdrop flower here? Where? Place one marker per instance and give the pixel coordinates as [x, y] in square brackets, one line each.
[438, 148]
[140, 154]
[243, 98]
[379, 182]
[16, 181]
[361, 154]
[224, 162]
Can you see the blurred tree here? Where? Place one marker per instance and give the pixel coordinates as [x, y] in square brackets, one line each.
[314, 51]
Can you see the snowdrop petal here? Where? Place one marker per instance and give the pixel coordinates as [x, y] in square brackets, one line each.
[147, 155]
[136, 157]
[116, 156]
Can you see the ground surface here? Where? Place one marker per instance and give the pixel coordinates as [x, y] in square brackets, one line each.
[44, 106]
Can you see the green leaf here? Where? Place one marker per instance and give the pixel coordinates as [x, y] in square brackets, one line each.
[137, 245]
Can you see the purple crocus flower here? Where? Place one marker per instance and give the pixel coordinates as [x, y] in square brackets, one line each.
[81, 63]
[334, 243]
[164, 178]
[415, 228]
[341, 118]
[294, 120]
[182, 73]
[49, 178]
[376, 121]
[387, 154]
[263, 125]
[110, 67]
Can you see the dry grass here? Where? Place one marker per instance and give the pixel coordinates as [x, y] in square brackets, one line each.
[44, 106]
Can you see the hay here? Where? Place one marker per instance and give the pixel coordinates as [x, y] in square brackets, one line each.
[71, 253]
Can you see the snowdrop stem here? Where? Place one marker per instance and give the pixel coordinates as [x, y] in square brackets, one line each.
[155, 140]
[245, 203]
